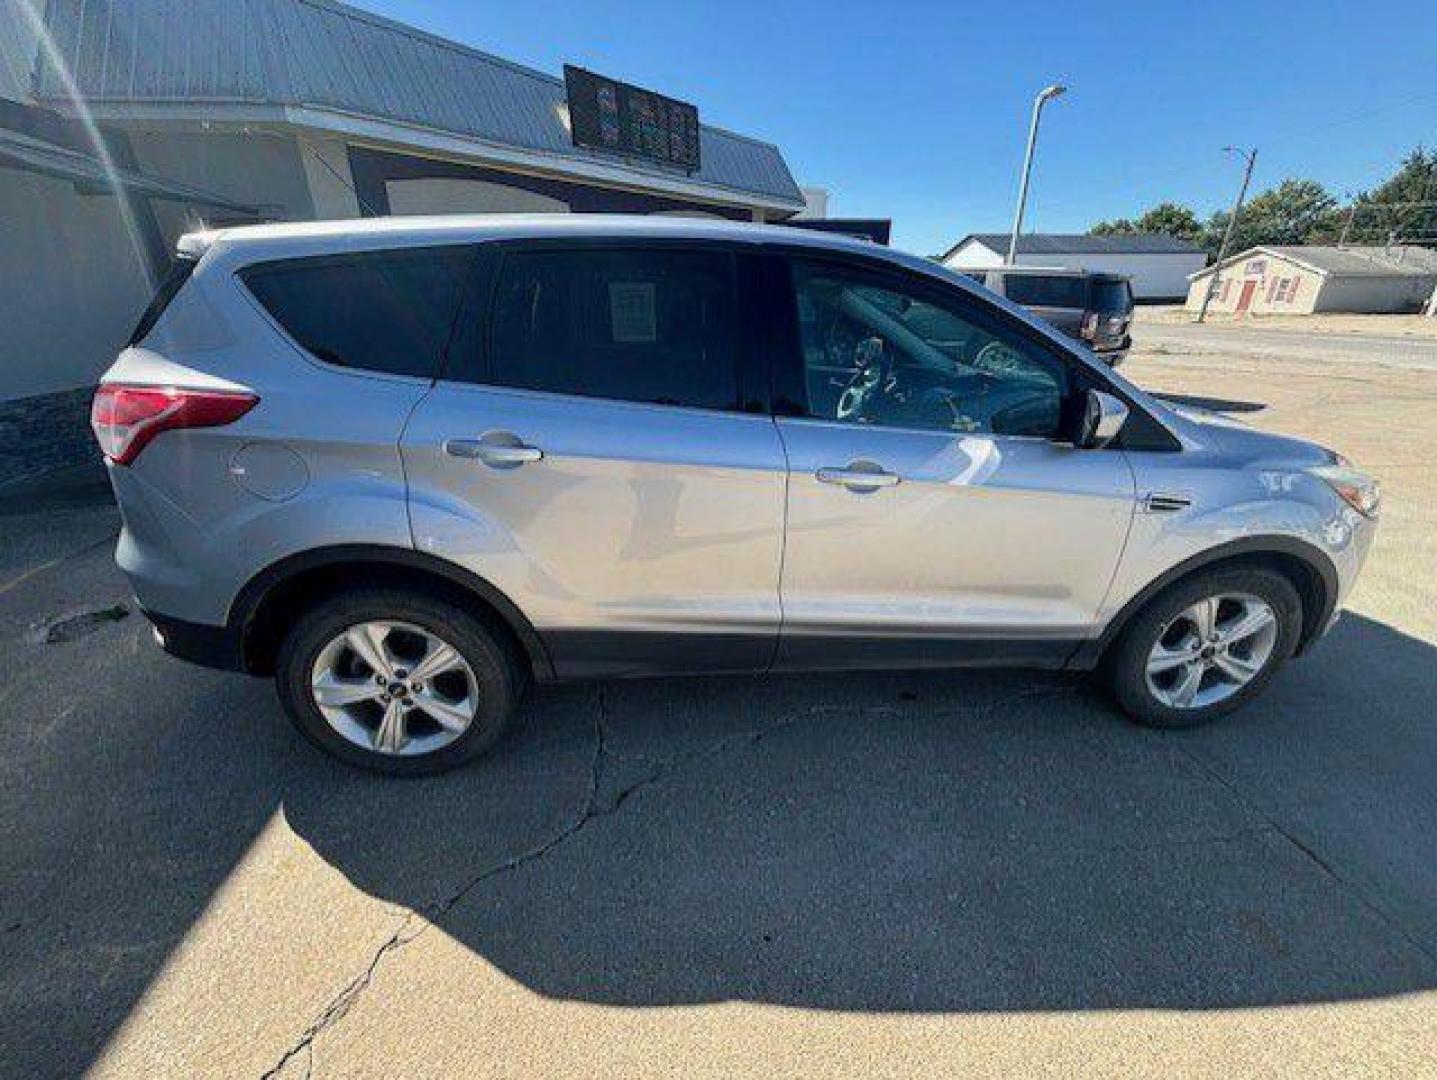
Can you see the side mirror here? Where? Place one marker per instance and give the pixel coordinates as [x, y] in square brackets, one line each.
[1103, 417]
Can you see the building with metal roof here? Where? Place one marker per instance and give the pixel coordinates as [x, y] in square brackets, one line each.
[126, 123]
[1157, 265]
[325, 68]
[1059, 244]
[1301, 280]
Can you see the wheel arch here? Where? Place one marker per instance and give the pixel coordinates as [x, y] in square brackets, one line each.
[268, 601]
[1309, 569]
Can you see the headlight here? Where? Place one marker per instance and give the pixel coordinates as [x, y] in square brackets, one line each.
[1356, 488]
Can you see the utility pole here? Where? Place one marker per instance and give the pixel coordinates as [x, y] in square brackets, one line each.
[1251, 156]
[1044, 96]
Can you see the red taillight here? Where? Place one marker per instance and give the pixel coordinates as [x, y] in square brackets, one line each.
[126, 418]
[1090, 326]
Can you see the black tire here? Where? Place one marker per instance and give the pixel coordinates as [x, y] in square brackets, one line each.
[1126, 664]
[499, 672]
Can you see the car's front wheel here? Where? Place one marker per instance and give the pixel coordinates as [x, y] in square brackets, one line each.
[396, 682]
[1206, 646]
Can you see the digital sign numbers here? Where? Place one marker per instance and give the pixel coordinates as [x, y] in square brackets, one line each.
[606, 114]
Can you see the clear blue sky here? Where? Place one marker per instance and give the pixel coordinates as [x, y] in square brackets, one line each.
[918, 111]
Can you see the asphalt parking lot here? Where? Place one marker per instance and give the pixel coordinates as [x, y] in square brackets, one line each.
[897, 874]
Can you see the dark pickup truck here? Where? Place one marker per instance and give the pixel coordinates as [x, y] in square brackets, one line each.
[1094, 308]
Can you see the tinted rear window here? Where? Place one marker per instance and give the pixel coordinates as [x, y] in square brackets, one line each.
[647, 326]
[1040, 290]
[173, 281]
[387, 311]
[1111, 294]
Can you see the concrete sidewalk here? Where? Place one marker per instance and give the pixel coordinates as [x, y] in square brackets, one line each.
[1307, 347]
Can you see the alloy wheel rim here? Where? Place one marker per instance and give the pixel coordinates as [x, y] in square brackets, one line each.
[394, 688]
[1210, 650]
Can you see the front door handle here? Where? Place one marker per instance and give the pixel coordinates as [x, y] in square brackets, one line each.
[501, 449]
[858, 476]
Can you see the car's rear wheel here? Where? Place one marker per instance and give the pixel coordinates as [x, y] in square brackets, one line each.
[1206, 646]
[398, 683]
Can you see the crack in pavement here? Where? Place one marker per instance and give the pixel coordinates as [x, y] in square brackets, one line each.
[415, 923]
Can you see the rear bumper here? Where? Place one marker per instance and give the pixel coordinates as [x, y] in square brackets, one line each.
[1114, 354]
[209, 646]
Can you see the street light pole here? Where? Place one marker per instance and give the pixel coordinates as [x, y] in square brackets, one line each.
[1044, 96]
[1251, 156]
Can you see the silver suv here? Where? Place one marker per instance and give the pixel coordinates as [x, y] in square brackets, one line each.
[407, 465]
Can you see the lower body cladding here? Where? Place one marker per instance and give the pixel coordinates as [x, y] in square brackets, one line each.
[593, 654]
[609, 653]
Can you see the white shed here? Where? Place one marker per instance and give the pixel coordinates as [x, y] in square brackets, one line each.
[1158, 265]
[1290, 280]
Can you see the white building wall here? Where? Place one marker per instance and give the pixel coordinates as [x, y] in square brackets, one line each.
[974, 256]
[457, 195]
[258, 168]
[1281, 287]
[1154, 277]
[326, 169]
[75, 284]
[1278, 287]
[1376, 295]
[815, 202]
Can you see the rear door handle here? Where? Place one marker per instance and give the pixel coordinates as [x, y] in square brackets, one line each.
[865, 478]
[499, 449]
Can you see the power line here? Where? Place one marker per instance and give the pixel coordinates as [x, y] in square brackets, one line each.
[345, 181]
[1348, 118]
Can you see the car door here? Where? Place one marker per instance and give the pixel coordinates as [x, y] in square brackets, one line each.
[587, 454]
[935, 513]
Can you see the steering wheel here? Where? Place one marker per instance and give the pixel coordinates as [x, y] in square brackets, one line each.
[998, 359]
[872, 369]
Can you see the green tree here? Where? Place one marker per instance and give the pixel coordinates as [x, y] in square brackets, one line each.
[1116, 227]
[1374, 220]
[1170, 219]
[1294, 212]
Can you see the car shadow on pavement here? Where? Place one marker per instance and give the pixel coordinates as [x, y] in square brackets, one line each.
[932, 842]
[915, 841]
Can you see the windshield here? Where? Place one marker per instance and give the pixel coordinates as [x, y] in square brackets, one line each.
[1111, 295]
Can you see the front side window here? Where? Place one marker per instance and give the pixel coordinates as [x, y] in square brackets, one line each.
[385, 311]
[874, 353]
[644, 326]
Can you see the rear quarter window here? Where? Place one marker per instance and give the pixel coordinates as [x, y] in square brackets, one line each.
[1041, 290]
[168, 288]
[384, 311]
